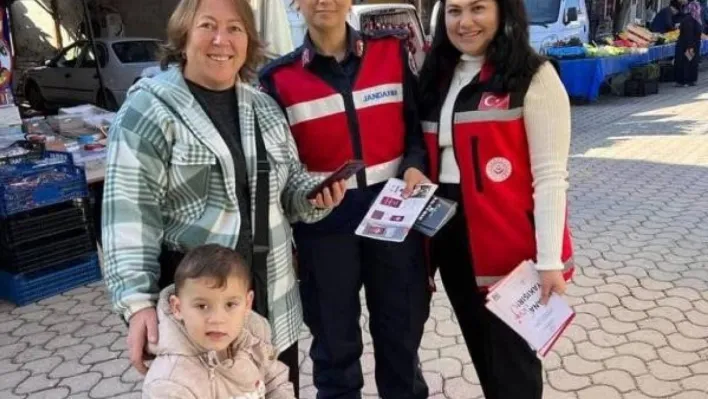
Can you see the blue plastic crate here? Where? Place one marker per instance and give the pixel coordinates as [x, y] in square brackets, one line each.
[30, 187]
[25, 288]
[48, 158]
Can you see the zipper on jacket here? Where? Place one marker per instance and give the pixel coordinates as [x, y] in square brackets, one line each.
[475, 164]
[212, 382]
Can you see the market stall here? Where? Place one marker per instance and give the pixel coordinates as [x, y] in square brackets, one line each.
[51, 173]
[584, 69]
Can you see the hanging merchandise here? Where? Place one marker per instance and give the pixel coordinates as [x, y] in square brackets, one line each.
[273, 26]
[402, 19]
[6, 98]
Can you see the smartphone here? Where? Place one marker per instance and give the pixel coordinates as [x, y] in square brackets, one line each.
[349, 169]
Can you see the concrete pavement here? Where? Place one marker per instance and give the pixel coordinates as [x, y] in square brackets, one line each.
[639, 211]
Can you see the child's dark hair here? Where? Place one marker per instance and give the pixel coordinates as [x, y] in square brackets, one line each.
[212, 261]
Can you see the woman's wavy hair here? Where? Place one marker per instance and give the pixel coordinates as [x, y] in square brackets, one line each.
[514, 60]
[181, 22]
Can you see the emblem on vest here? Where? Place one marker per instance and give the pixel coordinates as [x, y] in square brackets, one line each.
[379, 95]
[498, 169]
[305, 57]
[491, 101]
[359, 48]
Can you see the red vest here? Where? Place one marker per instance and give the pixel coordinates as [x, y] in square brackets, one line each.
[331, 127]
[492, 153]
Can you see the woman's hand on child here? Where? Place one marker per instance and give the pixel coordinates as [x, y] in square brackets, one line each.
[142, 329]
[551, 281]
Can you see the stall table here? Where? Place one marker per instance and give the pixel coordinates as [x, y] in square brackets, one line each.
[582, 78]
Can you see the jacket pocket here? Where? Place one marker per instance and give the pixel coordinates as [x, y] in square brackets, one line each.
[189, 175]
[479, 184]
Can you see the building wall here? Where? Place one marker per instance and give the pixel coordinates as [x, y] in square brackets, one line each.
[34, 30]
[145, 18]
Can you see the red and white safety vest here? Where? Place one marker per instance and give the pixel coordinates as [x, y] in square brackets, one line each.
[331, 128]
[492, 153]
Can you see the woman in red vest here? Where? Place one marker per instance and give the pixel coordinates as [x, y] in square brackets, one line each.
[497, 127]
[351, 95]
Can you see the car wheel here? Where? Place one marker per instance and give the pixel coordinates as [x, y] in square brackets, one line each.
[34, 96]
[108, 102]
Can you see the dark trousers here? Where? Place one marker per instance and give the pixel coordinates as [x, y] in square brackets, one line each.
[685, 71]
[506, 365]
[169, 260]
[333, 268]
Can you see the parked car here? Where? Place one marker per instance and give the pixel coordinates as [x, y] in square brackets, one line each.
[550, 21]
[70, 78]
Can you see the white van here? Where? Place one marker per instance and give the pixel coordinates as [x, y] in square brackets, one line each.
[551, 21]
[371, 17]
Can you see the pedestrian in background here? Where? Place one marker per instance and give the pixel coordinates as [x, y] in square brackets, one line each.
[496, 119]
[688, 47]
[350, 95]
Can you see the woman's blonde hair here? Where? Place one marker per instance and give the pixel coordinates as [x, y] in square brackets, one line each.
[181, 22]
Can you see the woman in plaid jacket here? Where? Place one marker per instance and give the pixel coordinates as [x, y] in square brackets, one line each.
[182, 172]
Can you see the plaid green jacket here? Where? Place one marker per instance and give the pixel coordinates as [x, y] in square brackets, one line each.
[170, 180]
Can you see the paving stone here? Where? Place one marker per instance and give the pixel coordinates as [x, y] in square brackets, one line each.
[659, 324]
[606, 340]
[43, 366]
[110, 387]
[11, 380]
[132, 376]
[641, 350]
[594, 308]
[675, 302]
[445, 366]
[7, 339]
[6, 366]
[651, 337]
[117, 367]
[578, 366]
[28, 329]
[599, 391]
[73, 352]
[685, 344]
[614, 326]
[69, 369]
[56, 318]
[67, 327]
[9, 395]
[105, 339]
[563, 381]
[98, 355]
[30, 354]
[667, 372]
[62, 341]
[459, 388]
[654, 387]
[36, 383]
[90, 330]
[672, 314]
[54, 393]
[692, 395]
[81, 383]
[617, 290]
[697, 382]
[691, 330]
[36, 316]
